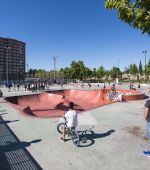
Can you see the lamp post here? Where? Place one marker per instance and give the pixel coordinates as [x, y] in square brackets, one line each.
[7, 66]
[118, 67]
[118, 62]
[54, 59]
[145, 51]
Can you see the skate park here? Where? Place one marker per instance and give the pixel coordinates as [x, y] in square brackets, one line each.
[118, 141]
[54, 103]
[90, 58]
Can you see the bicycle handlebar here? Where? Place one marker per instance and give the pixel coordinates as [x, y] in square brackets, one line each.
[89, 129]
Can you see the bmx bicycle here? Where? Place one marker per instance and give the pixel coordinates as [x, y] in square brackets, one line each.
[71, 132]
[85, 133]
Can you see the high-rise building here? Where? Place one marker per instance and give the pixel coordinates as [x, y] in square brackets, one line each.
[12, 59]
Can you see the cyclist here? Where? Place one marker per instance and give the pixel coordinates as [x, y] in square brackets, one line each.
[71, 119]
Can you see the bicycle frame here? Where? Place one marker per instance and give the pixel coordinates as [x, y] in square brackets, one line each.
[71, 132]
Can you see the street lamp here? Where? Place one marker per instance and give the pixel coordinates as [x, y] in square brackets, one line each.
[118, 67]
[118, 62]
[54, 59]
[145, 51]
[7, 77]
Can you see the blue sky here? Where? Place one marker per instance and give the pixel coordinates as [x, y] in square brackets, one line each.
[72, 30]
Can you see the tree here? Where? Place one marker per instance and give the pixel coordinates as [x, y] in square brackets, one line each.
[88, 73]
[140, 68]
[67, 73]
[78, 70]
[94, 72]
[32, 72]
[134, 12]
[148, 67]
[114, 72]
[133, 69]
[100, 72]
[107, 74]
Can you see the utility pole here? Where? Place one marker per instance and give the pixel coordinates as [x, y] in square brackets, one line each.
[145, 51]
[54, 59]
[118, 62]
[118, 71]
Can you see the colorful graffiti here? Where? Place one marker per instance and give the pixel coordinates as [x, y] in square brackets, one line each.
[115, 95]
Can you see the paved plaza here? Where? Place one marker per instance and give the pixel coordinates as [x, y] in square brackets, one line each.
[118, 141]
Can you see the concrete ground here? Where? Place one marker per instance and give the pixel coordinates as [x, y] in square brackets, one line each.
[117, 143]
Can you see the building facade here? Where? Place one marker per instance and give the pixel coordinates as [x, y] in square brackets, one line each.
[12, 60]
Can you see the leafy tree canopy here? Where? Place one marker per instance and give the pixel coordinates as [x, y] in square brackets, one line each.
[133, 69]
[148, 67]
[134, 12]
[100, 72]
[94, 72]
[114, 72]
[78, 70]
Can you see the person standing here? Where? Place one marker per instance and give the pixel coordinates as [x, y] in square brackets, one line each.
[139, 85]
[147, 117]
[61, 83]
[1, 93]
[71, 119]
[113, 87]
[130, 86]
[104, 86]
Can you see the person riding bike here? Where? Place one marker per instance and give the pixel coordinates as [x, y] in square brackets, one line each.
[71, 119]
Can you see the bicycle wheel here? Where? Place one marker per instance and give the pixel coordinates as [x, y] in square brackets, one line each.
[60, 127]
[75, 137]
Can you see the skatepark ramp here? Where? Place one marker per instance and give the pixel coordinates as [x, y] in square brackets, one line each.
[55, 103]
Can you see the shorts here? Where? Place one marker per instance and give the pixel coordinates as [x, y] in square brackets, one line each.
[148, 130]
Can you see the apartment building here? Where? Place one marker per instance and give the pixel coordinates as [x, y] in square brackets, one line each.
[12, 60]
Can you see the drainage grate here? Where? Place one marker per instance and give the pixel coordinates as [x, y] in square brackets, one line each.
[13, 154]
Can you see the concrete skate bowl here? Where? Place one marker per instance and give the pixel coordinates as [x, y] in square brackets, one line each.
[55, 103]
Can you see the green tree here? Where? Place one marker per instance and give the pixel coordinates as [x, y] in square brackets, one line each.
[67, 73]
[94, 72]
[115, 72]
[78, 70]
[32, 72]
[133, 69]
[41, 73]
[107, 73]
[88, 73]
[134, 12]
[60, 74]
[100, 72]
[140, 68]
[148, 68]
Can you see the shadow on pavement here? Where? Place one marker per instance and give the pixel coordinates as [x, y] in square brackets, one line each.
[90, 137]
[11, 146]
[7, 121]
[13, 152]
[2, 110]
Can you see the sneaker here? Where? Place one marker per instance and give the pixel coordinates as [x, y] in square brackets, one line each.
[63, 140]
[147, 153]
